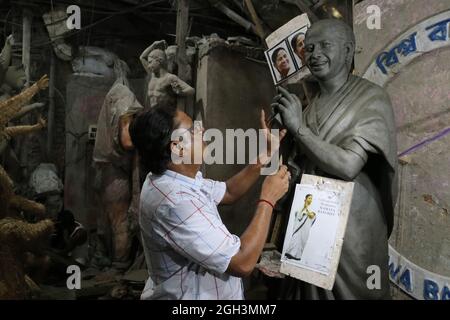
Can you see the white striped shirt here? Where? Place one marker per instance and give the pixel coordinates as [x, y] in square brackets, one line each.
[186, 244]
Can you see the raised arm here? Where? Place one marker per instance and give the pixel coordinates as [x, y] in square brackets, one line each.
[180, 87]
[9, 108]
[144, 56]
[5, 55]
[254, 237]
[28, 108]
[12, 132]
[342, 163]
[241, 182]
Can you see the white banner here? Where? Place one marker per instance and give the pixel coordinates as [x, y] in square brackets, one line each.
[416, 281]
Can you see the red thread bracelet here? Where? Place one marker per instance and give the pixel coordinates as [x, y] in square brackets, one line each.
[268, 202]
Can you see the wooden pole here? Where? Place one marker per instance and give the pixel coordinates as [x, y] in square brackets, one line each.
[26, 58]
[181, 34]
[255, 19]
[26, 44]
[51, 109]
[304, 8]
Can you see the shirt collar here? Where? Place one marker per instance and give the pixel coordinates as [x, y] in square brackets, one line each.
[187, 181]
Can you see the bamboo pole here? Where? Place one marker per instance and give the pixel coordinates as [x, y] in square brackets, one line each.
[51, 108]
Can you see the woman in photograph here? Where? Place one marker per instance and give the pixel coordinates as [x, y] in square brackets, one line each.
[298, 46]
[280, 60]
[303, 222]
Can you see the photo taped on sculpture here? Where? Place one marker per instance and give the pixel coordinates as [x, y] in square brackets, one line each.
[282, 62]
[315, 231]
[312, 228]
[285, 55]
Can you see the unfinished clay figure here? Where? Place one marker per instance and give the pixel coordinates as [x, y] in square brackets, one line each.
[163, 87]
[348, 133]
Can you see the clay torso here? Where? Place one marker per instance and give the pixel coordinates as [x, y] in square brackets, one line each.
[160, 90]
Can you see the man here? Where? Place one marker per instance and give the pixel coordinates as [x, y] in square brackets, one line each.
[113, 159]
[190, 253]
[347, 132]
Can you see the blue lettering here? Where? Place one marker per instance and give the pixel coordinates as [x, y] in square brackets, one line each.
[430, 290]
[445, 293]
[405, 280]
[394, 271]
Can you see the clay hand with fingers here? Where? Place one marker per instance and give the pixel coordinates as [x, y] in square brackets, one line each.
[42, 83]
[290, 108]
[10, 40]
[41, 122]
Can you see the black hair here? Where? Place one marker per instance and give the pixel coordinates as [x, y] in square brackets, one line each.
[294, 40]
[308, 195]
[275, 53]
[150, 133]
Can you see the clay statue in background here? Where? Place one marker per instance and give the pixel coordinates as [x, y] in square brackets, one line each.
[10, 108]
[114, 162]
[5, 57]
[17, 239]
[12, 78]
[163, 87]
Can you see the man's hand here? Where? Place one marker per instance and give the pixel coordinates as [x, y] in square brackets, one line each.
[290, 109]
[275, 187]
[272, 142]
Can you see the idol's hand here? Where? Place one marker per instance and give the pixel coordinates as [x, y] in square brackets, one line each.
[290, 109]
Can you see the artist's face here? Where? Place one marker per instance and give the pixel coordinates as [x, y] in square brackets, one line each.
[282, 62]
[190, 142]
[325, 53]
[308, 200]
[300, 47]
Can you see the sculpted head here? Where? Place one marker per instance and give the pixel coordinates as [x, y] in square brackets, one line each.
[157, 59]
[329, 48]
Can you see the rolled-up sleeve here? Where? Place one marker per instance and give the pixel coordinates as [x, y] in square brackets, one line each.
[216, 189]
[197, 234]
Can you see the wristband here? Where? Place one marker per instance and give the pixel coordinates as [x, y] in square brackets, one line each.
[268, 202]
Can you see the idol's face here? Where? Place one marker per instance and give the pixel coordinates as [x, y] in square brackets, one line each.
[282, 62]
[325, 53]
[154, 60]
[308, 200]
